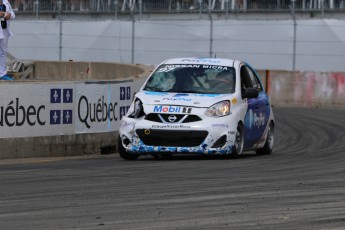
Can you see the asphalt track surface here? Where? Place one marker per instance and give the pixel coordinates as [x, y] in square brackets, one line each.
[300, 186]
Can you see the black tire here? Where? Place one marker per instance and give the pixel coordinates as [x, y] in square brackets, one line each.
[123, 153]
[268, 147]
[239, 142]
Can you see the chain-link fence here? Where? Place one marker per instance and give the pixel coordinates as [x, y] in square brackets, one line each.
[174, 6]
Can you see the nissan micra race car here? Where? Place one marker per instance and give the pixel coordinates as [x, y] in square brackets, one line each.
[198, 106]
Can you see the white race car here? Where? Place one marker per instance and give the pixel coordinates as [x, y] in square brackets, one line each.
[198, 106]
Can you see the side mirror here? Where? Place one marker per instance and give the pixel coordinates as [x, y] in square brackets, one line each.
[250, 93]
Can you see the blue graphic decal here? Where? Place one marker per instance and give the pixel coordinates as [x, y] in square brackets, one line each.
[55, 95]
[256, 119]
[67, 95]
[156, 93]
[55, 117]
[181, 95]
[67, 116]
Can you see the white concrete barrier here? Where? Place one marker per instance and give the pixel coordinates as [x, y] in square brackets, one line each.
[63, 118]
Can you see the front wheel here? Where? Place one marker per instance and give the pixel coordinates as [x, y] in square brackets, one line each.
[123, 153]
[239, 141]
[268, 147]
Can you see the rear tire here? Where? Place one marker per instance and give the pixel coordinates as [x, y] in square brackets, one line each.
[268, 147]
[123, 153]
[239, 142]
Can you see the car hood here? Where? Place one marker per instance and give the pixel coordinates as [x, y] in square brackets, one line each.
[183, 99]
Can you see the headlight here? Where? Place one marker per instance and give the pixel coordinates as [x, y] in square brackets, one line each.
[219, 110]
[138, 110]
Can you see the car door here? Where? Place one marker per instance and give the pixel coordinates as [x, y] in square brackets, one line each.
[258, 109]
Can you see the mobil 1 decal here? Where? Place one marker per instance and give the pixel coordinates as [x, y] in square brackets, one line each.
[100, 107]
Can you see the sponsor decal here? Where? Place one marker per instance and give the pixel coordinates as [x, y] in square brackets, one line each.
[98, 112]
[67, 116]
[55, 117]
[172, 118]
[220, 125]
[176, 99]
[67, 96]
[100, 108]
[201, 60]
[259, 120]
[181, 126]
[61, 96]
[125, 93]
[171, 109]
[215, 67]
[55, 95]
[186, 110]
[16, 114]
[128, 124]
[255, 119]
[167, 68]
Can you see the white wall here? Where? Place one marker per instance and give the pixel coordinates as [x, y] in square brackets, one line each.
[266, 44]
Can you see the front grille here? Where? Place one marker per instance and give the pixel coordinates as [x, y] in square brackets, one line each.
[155, 117]
[172, 138]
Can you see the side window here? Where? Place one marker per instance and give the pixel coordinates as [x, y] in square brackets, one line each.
[254, 79]
[245, 78]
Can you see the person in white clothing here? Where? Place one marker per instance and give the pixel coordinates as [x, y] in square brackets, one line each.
[6, 15]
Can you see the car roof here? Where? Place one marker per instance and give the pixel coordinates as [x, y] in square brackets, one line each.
[201, 60]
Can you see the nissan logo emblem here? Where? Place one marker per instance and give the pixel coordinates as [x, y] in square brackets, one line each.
[172, 118]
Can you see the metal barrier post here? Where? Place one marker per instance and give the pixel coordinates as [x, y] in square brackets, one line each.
[227, 8]
[140, 8]
[59, 3]
[211, 32]
[36, 3]
[331, 4]
[294, 36]
[200, 5]
[133, 36]
[116, 3]
[60, 32]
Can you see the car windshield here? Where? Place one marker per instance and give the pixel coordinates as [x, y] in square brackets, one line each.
[210, 79]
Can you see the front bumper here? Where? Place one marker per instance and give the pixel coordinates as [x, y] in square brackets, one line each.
[216, 136]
